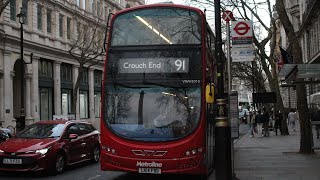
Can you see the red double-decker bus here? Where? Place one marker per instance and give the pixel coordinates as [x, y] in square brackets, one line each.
[157, 105]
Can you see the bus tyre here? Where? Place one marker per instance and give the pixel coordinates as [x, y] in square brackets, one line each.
[59, 165]
[96, 154]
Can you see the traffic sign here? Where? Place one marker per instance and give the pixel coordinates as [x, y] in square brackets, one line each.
[227, 15]
[242, 41]
[241, 29]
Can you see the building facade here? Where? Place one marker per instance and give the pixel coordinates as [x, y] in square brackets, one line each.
[305, 18]
[40, 87]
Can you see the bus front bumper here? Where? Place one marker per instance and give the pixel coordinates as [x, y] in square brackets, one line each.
[185, 165]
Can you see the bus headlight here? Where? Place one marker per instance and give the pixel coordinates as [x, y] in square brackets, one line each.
[194, 151]
[188, 153]
[109, 149]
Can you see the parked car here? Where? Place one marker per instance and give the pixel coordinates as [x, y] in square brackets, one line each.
[50, 145]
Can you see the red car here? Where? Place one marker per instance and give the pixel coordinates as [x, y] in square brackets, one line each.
[50, 145]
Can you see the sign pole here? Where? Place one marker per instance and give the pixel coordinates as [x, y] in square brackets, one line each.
[222, 124]
[228, 58]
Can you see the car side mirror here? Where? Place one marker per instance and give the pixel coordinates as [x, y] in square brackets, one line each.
[73, 136]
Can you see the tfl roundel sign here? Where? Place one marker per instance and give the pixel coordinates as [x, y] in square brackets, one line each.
[241, 29]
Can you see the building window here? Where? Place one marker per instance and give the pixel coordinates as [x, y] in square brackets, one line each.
[66, 88]
[97, 92]
[13, 9]
[46, 103]
[98, 8]
[66, 101]
[84, 79]
[39, 16]
[66, 72]
[78, 26]
[84, 4]
[45, 69]
[25, 10]
[92, 7]
[78, 3]
[106, 13]
[97, 107]
[84, 98]
[60, 25]
[84, 104]
[68, 27]
[49, 20]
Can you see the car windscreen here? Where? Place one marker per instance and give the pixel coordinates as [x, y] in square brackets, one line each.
[39, 131]
[157, 26]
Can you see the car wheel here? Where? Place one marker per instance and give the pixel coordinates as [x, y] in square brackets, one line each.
[96, 154]
[59, 164]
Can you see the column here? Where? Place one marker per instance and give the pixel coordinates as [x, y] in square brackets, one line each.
[35, 108]
[8, 91]
[91, 95]
[57, 88]
[28, 119]
[75, 76]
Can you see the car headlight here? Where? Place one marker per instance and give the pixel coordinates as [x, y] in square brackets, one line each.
[1, 152]
[42, 151]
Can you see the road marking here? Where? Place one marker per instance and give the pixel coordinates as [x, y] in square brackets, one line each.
[95, 177]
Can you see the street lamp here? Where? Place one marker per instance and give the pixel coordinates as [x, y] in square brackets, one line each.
[22, 17]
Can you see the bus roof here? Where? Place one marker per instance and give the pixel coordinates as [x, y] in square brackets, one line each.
[159, 5]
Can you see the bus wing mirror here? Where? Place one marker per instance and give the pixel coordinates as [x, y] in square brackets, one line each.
[209, 93]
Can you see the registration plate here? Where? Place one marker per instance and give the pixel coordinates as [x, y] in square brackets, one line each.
[12, 161]
[150, 170]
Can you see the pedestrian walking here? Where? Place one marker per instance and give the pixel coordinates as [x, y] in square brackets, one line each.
[292, 118]
[259, 120]
[251, 123]
[316, 118]
[278, 122]
[266, 119]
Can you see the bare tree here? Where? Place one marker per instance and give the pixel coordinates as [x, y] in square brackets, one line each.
[302, 105]
[3, 5]
[249, 9]
[87, 49]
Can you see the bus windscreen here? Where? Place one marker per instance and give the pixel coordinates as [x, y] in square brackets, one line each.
[157, 26]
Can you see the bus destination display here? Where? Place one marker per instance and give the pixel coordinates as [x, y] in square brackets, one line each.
[153, 65]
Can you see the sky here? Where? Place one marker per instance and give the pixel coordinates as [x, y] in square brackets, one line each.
[210, 13]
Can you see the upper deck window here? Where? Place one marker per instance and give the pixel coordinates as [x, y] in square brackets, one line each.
[157, 26]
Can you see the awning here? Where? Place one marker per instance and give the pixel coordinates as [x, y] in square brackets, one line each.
[290, 72]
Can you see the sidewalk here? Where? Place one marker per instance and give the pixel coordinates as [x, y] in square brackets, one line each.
[275, 158]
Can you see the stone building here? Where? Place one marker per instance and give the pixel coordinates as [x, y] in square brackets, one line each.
[305, 17]
[40, 87]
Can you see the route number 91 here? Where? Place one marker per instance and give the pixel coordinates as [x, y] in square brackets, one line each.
[180, 64]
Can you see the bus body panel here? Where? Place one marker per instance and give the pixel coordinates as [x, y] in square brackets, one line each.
[173, 161]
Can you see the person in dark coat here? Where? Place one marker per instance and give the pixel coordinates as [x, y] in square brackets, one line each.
[316, 117]
[266, 120]
[259, 120]
[278, 122]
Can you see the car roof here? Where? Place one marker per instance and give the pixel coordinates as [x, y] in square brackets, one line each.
[61, 121]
